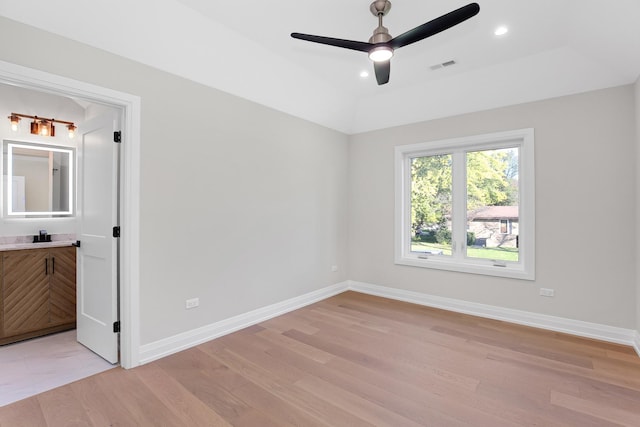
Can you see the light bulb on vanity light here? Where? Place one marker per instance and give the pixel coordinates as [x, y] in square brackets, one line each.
[43, 127]
[14, 122]
[72, 130]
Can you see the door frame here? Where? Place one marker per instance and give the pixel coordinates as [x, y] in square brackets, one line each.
[129, 254]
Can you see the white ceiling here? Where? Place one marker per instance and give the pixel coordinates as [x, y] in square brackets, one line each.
[553, 48]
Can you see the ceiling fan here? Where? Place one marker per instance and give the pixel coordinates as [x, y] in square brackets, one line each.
[381, 45]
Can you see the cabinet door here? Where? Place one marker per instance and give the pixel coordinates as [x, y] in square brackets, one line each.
[25, 290]
[63, 285]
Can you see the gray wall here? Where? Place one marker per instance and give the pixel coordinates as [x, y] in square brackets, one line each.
[241, 206]
[585, 208]
[252, 206]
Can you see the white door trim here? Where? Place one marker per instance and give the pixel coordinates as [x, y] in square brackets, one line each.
[17, 75]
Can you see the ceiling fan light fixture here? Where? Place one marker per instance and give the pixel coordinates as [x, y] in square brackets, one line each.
[380, 54]
[381, 44]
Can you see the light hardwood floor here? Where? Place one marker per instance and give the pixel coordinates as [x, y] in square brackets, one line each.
[40, 364]
[358, 360]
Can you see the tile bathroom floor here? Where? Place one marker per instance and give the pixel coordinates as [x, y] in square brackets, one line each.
[40, 364]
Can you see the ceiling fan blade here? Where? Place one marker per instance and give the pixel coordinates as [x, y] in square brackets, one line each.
[347, 44]
[382, 70]
[435, 26]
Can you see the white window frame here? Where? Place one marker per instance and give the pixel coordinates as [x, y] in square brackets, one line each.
[524, 268]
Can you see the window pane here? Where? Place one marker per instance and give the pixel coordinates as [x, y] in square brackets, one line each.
[431, 204]
[492, 204]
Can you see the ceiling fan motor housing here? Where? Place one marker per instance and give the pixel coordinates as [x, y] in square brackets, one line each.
[380, 35]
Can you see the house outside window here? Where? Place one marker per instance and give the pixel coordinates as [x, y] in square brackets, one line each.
[467, 204]
[497, 224]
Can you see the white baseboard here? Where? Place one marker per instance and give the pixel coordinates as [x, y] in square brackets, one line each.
[559, 324]
[165, 347]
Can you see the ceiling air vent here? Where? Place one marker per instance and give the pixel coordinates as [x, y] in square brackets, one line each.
[443, 65]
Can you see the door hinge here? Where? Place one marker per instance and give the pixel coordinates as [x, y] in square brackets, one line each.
[117, 136]
[116, 327]
[116, 231]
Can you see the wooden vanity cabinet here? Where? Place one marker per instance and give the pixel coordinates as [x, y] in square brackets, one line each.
[25, 291]
[38, 292]
[62, 287]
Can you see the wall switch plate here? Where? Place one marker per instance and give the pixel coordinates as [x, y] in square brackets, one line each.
[192, 303]
[547, 292]
[334, 268]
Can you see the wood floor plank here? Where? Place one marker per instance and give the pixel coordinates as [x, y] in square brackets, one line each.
[283, 389]
[566, 381]
[420, 331]
[557, 371]
[282, 341]
[24, 413]
[207, 380]
[281, 324]
[277, 409]
[360, 360]
[422, 402]
[596, 409]
[62, 408]
[143, 407]
[253, 418]
[378, 387]
[357, 405]
[100, 404]
[393, 352]
[185, 405]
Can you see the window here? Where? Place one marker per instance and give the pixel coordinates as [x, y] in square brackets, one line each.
[505, 226]
[467, 204]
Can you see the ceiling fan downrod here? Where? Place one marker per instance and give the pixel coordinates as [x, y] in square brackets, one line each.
[380, 8]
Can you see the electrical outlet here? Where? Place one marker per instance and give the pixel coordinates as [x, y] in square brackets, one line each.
[334, 268]
[547, 292]
[192, 303]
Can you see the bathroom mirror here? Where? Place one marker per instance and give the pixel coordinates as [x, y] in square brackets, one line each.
[38, 179]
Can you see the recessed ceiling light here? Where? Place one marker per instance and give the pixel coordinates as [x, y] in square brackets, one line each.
[364, 74]
[501, 31]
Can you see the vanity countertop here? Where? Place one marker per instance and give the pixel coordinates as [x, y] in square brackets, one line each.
[43, 245]
[26, 242]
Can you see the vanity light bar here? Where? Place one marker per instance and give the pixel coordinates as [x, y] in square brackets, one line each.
[41, 125]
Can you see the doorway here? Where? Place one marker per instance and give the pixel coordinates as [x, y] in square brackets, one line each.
[128, 257]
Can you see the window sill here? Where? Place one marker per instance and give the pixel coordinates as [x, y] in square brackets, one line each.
[510, 270]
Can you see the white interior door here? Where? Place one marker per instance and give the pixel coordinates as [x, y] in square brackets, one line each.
[97, 289]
